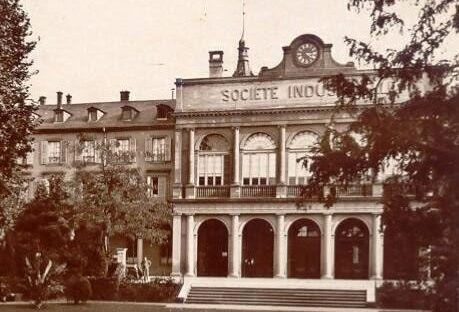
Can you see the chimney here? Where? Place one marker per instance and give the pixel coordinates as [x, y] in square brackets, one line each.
[69, 99]
[124, 95]
[215, 64]
[42, 100]
[59, 99]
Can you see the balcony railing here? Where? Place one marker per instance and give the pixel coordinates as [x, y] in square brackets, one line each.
[353, 190]
[294, 190]
[212, 191]
[258, 191]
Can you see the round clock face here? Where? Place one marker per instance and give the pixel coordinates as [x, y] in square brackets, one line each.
[307, 53]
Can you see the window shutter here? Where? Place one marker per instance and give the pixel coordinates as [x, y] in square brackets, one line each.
[29, 157]
[167, 151]
[78, 150]
[98, 146]
[44, 152]
[132, 149]
[148, 149]
[64, 145]
[227, 176]
[162, 187]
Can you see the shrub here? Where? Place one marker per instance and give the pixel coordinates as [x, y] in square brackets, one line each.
[104, 288]
[402, 295]
[78, 288]
[156, 291]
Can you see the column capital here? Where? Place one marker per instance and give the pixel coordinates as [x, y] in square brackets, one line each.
[235, 214]
[236, 128]
[177, 214]
[189, 214]
[281, 126]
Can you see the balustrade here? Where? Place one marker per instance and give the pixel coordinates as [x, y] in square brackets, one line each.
[212, 191]
[258, 191]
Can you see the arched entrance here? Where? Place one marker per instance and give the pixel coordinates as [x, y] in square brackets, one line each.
[304, 249]
[257, 249]
[351, 250]
[212, 249]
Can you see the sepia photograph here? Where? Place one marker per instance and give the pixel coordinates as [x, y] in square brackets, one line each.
[230, 155]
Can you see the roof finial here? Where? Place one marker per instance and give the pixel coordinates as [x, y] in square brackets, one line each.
[243, 19]
[243, 68]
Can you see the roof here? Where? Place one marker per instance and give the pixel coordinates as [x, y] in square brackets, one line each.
[146, 115]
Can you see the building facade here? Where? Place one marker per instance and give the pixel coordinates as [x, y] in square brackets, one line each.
[139, 134]
[238, 175]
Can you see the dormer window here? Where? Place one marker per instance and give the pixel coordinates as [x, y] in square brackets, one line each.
[94, 114]
[163, 111]
[61, 115]
[128, 113]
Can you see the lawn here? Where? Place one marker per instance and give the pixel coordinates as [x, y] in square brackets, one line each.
[89, 307]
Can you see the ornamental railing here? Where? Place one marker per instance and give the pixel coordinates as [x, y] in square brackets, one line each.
[212, 191]
[353, 190]
[258, 191]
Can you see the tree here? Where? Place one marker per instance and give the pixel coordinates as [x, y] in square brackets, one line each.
[16, 110]
[412, 126]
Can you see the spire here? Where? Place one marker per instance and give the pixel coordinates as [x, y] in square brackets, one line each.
[243, 67]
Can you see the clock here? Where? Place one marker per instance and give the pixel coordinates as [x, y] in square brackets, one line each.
[306, 54]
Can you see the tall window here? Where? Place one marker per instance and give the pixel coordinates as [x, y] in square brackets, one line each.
[124, 150]
[88, 153]
[298, 152]
[213, 156]
[259, 160]
[54, 152]
[153, 186]
[157, 149]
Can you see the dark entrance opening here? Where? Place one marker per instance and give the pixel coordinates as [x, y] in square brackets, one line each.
[257, 249]
[351, 250]
[304, 249]
[212, 249]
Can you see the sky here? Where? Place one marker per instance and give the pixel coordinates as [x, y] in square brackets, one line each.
[92, 49]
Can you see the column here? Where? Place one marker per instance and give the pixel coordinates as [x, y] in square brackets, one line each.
[177, 189]
[328, 248]
[176, 245]
[191, 158]
[190, 246]
[235, 268]
[139, 251]
[280, 250]
[236, 156]
[281, 176]
[377, 248]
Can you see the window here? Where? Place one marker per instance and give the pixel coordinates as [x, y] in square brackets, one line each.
[93, 115]
[299, 150]
[88, 153]
[123, 150]
[153, 186]
[128, 113]
[163, 111]
[211, 169]
[157, 149]
[166, 249]
[54, 152]
[213, 160]
[259, 168]
[259, 160]
[59, 116]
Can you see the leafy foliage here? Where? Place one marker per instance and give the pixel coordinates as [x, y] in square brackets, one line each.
[16, 111]
[410, 122]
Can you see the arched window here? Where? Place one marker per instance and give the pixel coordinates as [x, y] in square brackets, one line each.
[298, 149]
[213, 161]
[259, 160]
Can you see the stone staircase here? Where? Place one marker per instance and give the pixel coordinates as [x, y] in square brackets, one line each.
[295, 297]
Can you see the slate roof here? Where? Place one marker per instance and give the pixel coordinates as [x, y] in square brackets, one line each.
[146, 115]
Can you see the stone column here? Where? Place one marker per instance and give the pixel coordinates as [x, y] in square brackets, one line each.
[280, 250]
[176, 245]
[281, 190]
[190, 245]
[139, 251]
[191, 158]
[190, 189]
[377, 248]
[235, 268]
[236, 187]
[328, 245]
[177, 190]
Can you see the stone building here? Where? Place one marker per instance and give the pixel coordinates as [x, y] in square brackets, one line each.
[140, 132]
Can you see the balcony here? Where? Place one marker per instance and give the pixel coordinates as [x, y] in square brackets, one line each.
[258, 191]
[220, 191]
[353, 190]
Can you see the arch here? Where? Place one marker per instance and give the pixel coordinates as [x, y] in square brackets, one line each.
[259, 141]
[212, 255]
[257, 249]
[352, 249]
[303, 140]
[304, 238]
[213, 143]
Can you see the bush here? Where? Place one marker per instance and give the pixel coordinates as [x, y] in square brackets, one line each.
[155, 291]
[402, 295]
[104, 288]
[78, 288]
